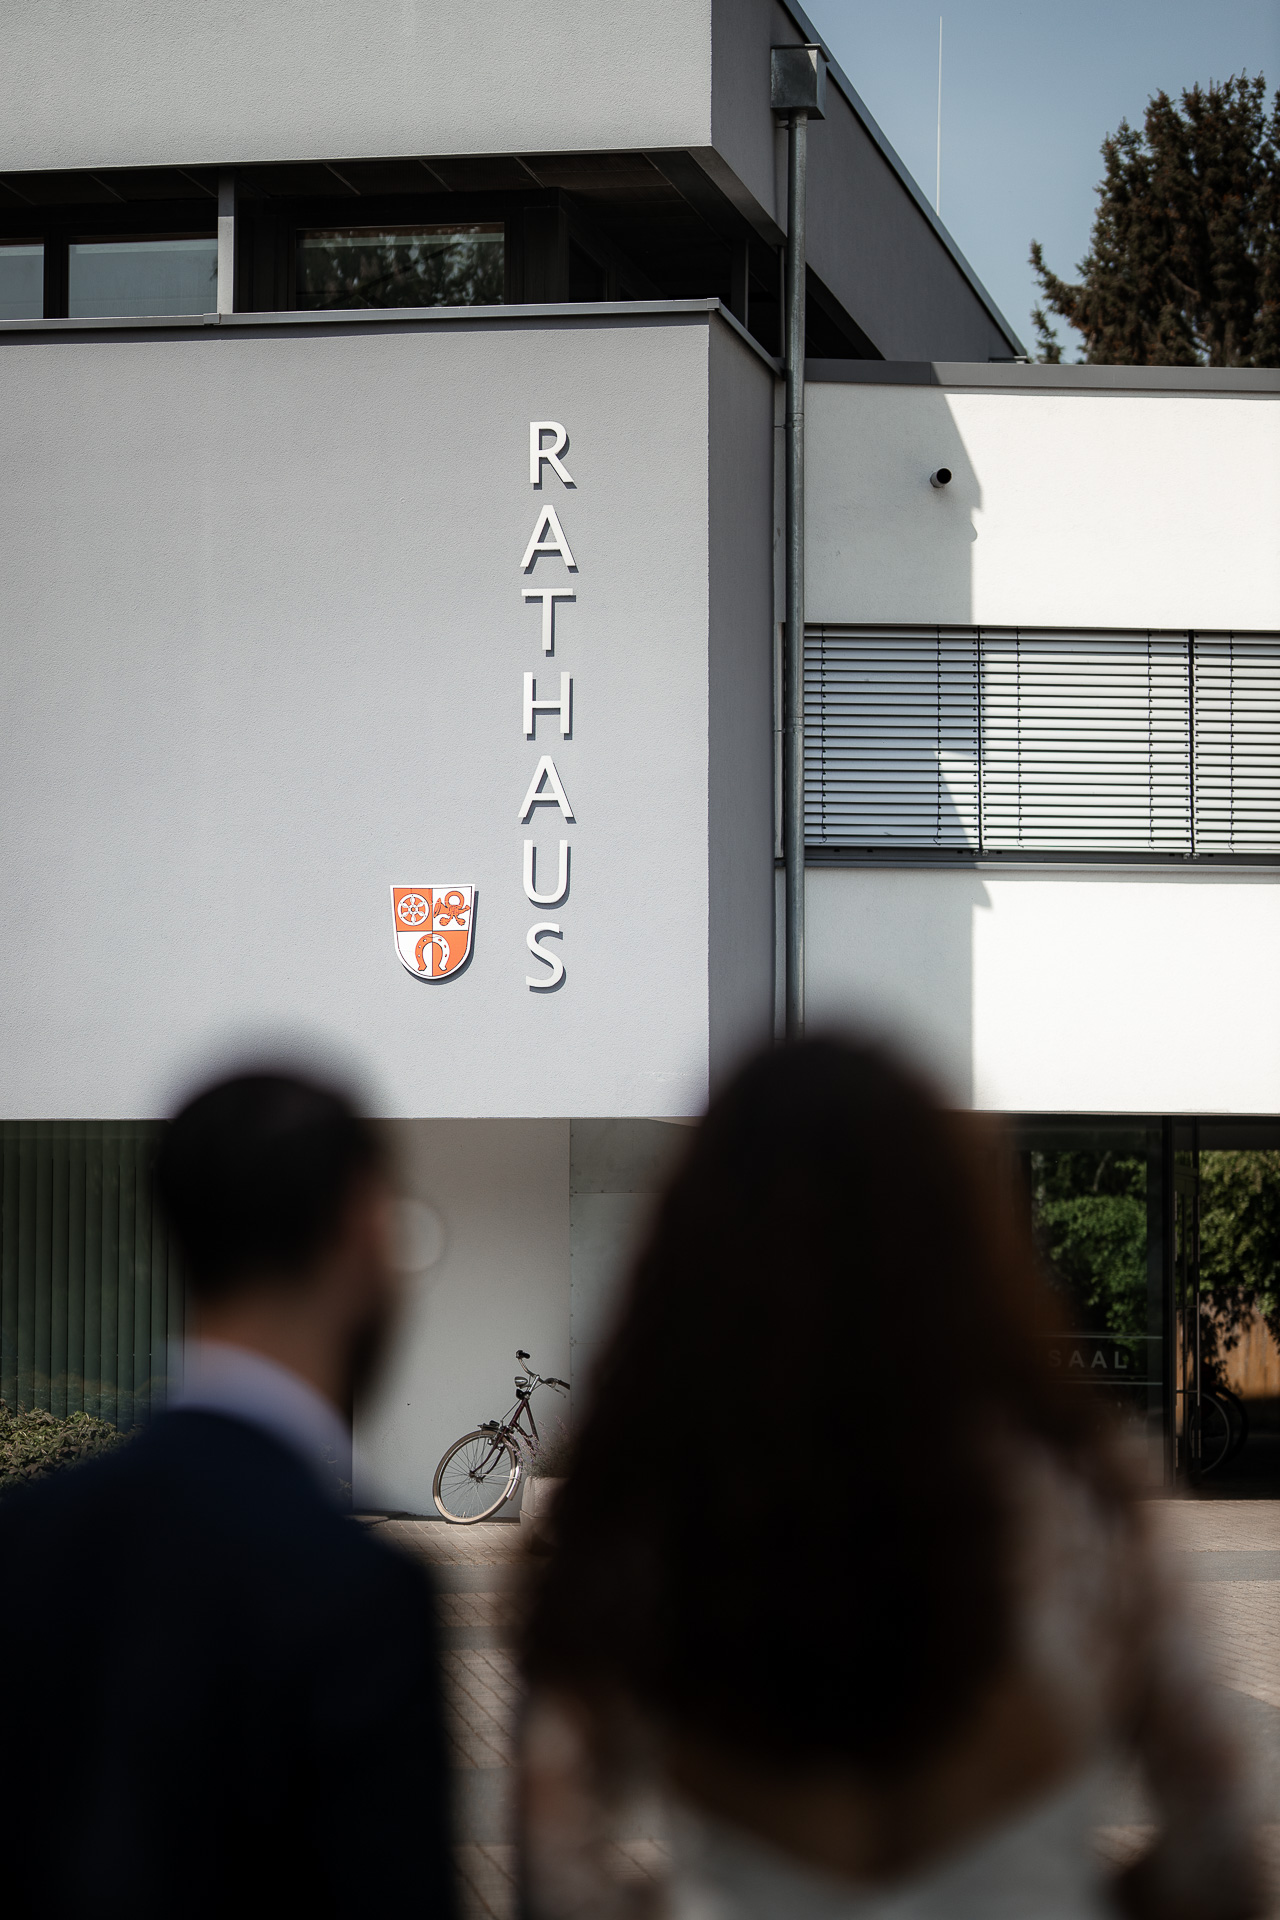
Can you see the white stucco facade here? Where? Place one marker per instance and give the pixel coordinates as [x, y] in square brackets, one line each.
[268, 650]
[1070, 506]
[140, 84]
[1051, 992]
[266, 662]
[1068, 987]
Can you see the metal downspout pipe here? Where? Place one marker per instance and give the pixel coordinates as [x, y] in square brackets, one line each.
[798, 85]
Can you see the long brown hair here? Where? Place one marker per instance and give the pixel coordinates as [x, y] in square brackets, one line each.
[783, 1529]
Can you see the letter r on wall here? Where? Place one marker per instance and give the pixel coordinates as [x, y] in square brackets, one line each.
[550, 456]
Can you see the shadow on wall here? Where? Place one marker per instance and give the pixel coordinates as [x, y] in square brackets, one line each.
[890, 949]
[889, 953]
[616, 1169]
[882, 544]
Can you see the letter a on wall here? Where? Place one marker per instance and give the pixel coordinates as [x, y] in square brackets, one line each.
[546, 789]
[433, 929]
[547, 538]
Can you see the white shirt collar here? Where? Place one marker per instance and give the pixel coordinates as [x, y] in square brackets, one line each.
[220, 1378]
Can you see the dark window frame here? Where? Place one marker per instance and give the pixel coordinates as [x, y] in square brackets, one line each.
[902, 854]
[300, 232]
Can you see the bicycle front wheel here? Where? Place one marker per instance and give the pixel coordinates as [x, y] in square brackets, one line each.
[477, 1475]
[1208, 1433]
[1238, 1415]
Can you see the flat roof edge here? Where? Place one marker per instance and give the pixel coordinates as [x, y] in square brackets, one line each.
[881, 140]
[1013, 377]
[376, 317]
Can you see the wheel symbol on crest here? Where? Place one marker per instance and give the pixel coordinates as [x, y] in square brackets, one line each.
[414, 909]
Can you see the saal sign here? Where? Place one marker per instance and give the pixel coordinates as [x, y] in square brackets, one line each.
[433, 928]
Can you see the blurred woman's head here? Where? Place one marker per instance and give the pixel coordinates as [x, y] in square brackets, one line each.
[784, 1529]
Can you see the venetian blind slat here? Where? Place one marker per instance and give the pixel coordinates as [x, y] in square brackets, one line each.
[891, 738]
[1086, 742]
[1027, 739]
[1237, 727]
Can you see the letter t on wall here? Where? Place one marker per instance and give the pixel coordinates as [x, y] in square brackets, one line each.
[548, 597]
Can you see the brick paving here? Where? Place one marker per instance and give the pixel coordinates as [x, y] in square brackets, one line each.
[487, 1881]
[1220, 1545]
[481, 1699]
[476, 1570]
[1229, 1553]
[1217, 1526]
[1240, 1615]
[1241, 1619]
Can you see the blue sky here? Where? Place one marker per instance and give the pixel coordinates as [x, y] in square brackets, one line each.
[1028, 92]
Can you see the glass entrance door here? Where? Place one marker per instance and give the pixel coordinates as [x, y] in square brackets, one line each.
[1191, 1408]
[1160, 1239]
[1211, 1423]
[1095, 1189]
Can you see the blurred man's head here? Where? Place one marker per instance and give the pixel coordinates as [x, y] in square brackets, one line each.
[277, 1193]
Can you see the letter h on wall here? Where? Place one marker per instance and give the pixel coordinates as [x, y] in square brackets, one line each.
[533, 706]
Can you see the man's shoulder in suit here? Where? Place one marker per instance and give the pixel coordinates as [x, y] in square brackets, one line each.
[214, 1660]
[210, 1511]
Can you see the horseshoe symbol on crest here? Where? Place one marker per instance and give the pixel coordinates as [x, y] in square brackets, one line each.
[431, 940]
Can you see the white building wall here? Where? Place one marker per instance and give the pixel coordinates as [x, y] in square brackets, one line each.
[1052, 989]
[616, 1170]
[167, 83]
[265, 653]
[1084, 992]
[501, 1191]
[1066, 508]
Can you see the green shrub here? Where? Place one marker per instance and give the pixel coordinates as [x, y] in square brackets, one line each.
[34, 1444]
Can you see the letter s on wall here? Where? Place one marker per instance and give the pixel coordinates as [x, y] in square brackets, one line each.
[540, 983]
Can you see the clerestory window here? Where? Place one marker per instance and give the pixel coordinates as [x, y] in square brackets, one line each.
[402, 266]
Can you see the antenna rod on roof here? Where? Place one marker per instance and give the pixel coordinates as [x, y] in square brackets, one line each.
[937, 192]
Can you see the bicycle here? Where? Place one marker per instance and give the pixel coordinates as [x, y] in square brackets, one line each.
[1215, 1427]
[479, 1473]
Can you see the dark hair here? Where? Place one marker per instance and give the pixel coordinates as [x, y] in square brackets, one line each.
[254, 1174]
[784, 1530]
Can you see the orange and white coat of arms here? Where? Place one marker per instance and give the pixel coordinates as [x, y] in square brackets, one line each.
[433, 929]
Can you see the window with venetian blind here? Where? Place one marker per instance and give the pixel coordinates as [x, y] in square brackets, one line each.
[989, 740]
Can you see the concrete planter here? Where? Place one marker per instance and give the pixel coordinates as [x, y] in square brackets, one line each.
[537, 1506]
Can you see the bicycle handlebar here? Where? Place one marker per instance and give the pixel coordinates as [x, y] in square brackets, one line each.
[543, 1380]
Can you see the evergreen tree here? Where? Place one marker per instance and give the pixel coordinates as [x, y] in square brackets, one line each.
[1183, 268]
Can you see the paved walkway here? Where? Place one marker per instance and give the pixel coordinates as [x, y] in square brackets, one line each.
[1229, 1550]
[475, 1571]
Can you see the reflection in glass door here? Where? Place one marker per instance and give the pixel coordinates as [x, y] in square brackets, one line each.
[1224, 1263]
[1202, 1431]
[1161, 1240]
[1095, 1189]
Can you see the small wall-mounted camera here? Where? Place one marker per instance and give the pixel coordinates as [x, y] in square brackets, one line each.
[941, 478]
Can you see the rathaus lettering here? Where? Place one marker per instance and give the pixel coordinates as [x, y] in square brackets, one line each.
[548, 543]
